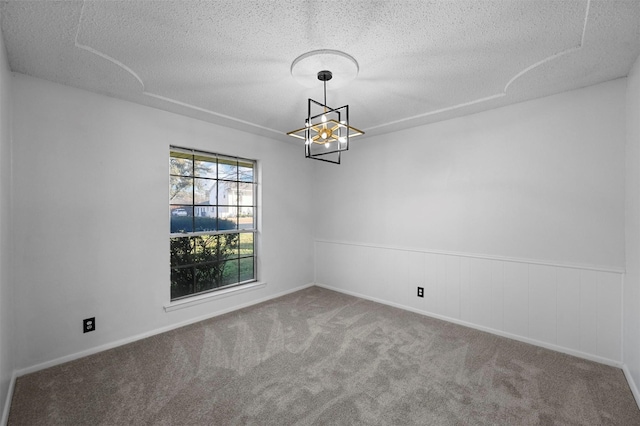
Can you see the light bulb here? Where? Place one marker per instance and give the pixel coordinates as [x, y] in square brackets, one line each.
[324, 118]
[308, 142]
[323, 135]
[342, 139]
[326, 145]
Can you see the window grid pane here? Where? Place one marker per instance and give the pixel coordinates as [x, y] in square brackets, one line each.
[210, 197]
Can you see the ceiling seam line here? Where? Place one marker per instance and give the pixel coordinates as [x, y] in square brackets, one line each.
[506, 87]
[226, 117]
[556, 55]
[441, 110]
[98, 53]
[146, 93]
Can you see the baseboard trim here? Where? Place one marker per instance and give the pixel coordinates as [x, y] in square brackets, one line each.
[107, 346]
[7, 402]
[501, 333]
[632, 384]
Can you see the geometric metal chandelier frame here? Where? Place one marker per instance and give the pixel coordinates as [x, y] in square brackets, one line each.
[326, 132]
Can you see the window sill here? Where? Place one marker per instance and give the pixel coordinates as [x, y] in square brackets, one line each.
[203, 298]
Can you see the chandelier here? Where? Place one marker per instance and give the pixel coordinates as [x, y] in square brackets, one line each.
[326, 132]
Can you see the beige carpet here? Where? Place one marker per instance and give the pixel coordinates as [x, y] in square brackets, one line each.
[321, 357]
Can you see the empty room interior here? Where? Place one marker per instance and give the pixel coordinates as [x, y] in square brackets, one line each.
[302, 212]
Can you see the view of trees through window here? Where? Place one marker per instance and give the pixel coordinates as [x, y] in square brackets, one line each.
[212, 203]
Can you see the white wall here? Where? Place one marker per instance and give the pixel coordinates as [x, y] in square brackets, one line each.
[537, 180]
[632, 277]
[7, 360]
[91, 218]
[512, 219]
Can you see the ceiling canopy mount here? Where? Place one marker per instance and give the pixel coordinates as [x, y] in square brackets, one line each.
[326, 130]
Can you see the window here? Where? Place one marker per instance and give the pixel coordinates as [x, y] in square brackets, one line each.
[212, 207]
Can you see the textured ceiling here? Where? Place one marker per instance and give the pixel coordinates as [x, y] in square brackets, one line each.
[229, 62]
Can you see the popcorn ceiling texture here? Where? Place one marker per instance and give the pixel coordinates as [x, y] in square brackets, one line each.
[229, 61]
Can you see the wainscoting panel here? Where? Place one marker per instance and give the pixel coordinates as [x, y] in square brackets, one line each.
[573, 309]
[609, 329]
[543, 303]
[516, 298]
[588, 311]
[568, 308]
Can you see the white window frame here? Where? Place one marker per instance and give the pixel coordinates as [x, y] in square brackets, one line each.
[196, 297]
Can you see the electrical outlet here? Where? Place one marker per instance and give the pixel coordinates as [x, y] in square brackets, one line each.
[420, 291]
[88, 324]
